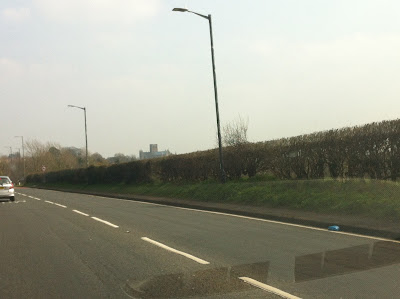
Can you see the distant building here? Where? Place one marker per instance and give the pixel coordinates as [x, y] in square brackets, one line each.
[154, 153]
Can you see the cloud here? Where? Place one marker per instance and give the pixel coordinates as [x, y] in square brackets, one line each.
[356, 48]
[14, 72]
[15, 14]
[357, 59]
[98, 11]
[10, 68]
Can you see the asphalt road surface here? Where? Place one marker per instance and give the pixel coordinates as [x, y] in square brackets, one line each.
[65, 245]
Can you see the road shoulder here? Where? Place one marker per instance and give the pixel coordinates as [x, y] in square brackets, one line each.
[349, 223]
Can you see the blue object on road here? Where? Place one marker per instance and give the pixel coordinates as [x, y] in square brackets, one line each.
[334, 228]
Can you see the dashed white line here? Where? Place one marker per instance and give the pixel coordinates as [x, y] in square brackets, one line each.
[105, 222]
[50, 202]
[79, 212]
[28, 196]
[268, 288]
[57, 204]
[196, 259]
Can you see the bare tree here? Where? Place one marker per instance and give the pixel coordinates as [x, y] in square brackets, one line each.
[55, 157]
[121, 158]
[234, 133]
[97, 160]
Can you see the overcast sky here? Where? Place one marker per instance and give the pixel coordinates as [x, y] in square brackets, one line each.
[144, 72]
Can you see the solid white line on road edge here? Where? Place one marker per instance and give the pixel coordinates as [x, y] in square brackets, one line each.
[271, 221]
[49, 202]
[200, 261]
[268, 288]
[256, 219]
[290, 224]
[105, 222]
[57, 204]
[79, 212]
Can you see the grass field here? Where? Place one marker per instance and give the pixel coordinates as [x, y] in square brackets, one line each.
[361, 197]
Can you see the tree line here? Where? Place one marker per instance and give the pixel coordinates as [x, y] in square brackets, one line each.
[52, 157]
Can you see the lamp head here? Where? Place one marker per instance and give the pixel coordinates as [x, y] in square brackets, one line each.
[180, 9]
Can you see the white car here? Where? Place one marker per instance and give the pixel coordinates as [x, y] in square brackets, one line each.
[6, 188]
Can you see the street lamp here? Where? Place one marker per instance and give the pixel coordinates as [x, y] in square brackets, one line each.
[84, 110]
[221, 163]
[23, 152]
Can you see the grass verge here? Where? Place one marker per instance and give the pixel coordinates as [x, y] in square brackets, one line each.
[378, 199]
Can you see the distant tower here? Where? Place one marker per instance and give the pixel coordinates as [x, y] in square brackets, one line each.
[153, 148]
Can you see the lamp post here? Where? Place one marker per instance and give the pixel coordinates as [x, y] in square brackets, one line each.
[221, 163]
[23, 152]
[84, 110]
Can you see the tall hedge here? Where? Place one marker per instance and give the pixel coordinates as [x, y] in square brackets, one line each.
[370, 151]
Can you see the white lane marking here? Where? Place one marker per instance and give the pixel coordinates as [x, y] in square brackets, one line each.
[79, 212]
[105, 222]
[49, 202]
[250, 218]
[196, 259]
[57, 204]
[270, 221]
[268, 288]
[27, 195]
[293, 225]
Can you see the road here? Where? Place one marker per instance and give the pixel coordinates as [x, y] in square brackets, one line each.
[64, 245]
